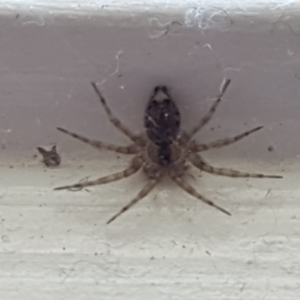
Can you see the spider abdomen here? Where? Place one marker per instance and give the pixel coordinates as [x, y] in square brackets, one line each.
[162, 118]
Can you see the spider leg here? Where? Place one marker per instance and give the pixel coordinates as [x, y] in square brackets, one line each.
[210, 113]
[136, 164]
[190, 190]
[142, 194]
[115, 121]
[130, 149]
[221, 143]
[199, 163]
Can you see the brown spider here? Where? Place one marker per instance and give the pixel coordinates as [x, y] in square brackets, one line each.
[163, 149]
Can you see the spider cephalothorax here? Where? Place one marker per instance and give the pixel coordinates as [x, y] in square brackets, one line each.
[163, 149]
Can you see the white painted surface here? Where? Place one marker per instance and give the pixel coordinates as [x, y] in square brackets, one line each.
[55, 245]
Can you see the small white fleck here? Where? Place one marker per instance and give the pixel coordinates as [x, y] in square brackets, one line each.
[6, 130]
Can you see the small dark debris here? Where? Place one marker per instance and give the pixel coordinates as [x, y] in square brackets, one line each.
[270, 148]
[5, 239]
[169, 27]
[50, 157]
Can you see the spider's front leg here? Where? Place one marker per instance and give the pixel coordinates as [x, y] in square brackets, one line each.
[136, 164]
[177, 171]
[142, 194]
[190, 190]
[154, 173]
[199, 163]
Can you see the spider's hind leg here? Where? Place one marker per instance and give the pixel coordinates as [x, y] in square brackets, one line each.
[210, 113]
[130, 149]
[116, 122]
[193, 146]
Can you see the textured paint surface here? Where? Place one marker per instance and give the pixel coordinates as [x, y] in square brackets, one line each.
[55, 245]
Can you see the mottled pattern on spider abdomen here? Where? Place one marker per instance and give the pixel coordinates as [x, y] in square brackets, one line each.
[162, 118]
[162, 123]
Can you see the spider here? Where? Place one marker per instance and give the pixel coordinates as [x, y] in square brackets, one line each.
[163, 149]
